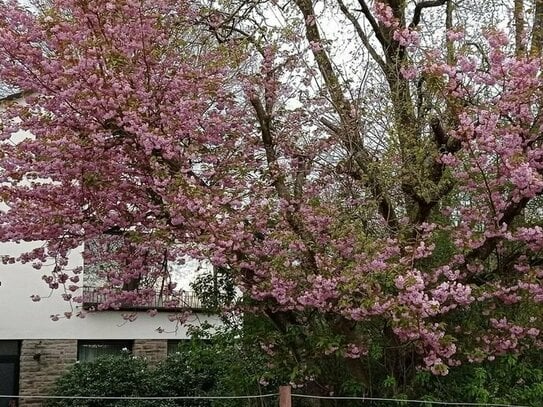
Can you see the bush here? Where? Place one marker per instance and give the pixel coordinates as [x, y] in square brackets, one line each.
[221, 366]
[201, 368]
[509, 379]
[109, 376]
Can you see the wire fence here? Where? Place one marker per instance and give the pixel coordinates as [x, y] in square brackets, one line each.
[262, 400]
[377, 401]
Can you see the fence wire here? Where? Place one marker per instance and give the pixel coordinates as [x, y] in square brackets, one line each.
[141, 398]
[401, 401]
[261, 400]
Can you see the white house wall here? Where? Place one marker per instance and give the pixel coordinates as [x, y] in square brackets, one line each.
[21, 318]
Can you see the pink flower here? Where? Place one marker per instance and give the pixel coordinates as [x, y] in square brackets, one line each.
[315, 46]
[455, 35]
[385, 14]
[407, 37]
[409, 73]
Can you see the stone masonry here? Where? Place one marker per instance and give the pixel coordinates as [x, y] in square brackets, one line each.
[42, 362]
[154, 350]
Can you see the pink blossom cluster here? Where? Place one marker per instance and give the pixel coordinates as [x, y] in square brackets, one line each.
[406, 37]
[385, 14]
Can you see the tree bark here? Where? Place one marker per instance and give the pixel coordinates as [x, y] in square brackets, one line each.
[518, 16]
[537, 30]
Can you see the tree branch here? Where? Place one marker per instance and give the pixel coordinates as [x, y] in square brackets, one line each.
[510, 213]
[348, 130]
[15, 96]
[422, 5]
[363, 36]
[302, 169]
[264, 121]
[374, 24]
[293, 220]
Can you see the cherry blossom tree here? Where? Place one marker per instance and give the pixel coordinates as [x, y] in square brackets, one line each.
[167, 84]
[377, 200]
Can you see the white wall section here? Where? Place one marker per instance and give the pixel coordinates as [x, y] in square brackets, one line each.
[21, 318]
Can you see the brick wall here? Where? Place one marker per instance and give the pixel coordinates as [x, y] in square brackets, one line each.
[42, 362]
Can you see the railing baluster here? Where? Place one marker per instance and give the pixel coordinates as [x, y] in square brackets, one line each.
[92, 297]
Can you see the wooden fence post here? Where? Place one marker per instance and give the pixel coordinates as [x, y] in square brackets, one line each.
[285, 399]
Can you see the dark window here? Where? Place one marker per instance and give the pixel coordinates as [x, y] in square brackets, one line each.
[9, 371]
[9, 348]
[91, 350]
[173, 345]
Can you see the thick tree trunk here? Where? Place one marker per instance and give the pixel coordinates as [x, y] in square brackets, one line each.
[537, 30]
[518, 16]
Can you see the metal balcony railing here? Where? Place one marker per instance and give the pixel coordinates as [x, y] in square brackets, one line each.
[93, 297]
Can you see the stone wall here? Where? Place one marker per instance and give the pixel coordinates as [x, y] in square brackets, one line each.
[154, 350]
[42, 362]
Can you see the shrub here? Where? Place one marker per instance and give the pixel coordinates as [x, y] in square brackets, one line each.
[108, 376]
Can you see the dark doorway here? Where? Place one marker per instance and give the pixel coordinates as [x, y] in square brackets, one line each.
[9, 371]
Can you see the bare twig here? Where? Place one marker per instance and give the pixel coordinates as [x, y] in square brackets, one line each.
[363, 37]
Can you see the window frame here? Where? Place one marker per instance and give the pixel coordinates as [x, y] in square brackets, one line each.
[104, 343]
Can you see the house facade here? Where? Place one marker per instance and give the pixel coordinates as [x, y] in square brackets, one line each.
[35, 350]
